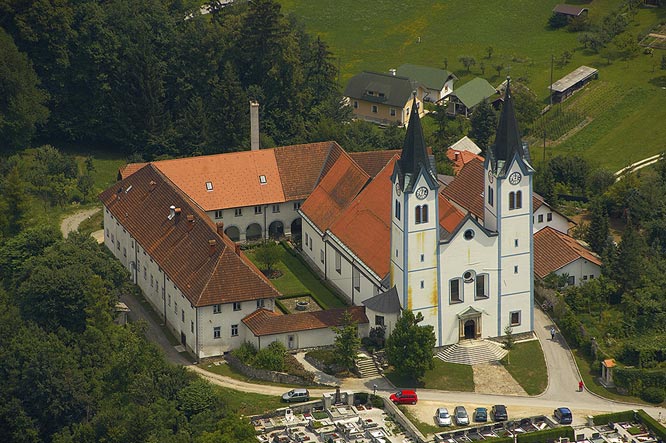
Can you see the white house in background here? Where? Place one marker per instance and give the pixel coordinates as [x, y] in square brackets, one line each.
[556, 252]
[545, 216]
[436, 83]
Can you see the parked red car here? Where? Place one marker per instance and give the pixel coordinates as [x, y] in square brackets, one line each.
[404, 397]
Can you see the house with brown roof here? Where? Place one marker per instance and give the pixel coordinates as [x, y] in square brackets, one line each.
[557, 253]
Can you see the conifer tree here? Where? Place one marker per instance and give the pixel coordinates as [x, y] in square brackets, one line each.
[598, 233]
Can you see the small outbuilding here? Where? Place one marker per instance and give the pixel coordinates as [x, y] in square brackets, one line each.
[572, 82]
[570, 10]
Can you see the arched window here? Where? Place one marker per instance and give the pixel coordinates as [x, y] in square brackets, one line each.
[519, 199]
[421, 214]
[512, 200]
[490, 195]
[397, 209]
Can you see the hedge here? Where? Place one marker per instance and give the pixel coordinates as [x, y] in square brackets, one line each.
[635, 380]
[500, 440]
[613, 417]
[547, 435]
[654, 425]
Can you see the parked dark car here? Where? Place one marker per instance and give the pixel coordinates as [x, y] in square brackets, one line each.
[563, 416]
[498, 413]
[460, 415]
[481, 414]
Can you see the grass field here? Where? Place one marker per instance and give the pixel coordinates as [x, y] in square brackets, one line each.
[443, 377]
[298, 279]
[625, 126]
[528, 367]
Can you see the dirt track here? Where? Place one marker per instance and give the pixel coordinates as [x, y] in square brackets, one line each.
[72, 222]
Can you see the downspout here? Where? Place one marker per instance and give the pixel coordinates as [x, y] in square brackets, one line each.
[325, 261]
[196, 334]
[265, 222]
[164, 294]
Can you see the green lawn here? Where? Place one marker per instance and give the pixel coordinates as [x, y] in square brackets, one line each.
[383, 34]
[247, 403]
[425, 428]
[443, 377]
[525, 362]
[298, 279]
[227, 371]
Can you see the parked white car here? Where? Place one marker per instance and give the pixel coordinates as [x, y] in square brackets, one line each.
[442, 417]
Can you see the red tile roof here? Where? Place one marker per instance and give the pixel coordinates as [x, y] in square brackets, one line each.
[336, 190]
[466, 189]
[554, 250]
[129, 169]
[373, 162]
[461, 158]
[264, 322]
[365, 226]
[206, 275]
[449, 216]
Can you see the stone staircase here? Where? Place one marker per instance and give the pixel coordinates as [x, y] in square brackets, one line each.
[472, 352]
[366, 367]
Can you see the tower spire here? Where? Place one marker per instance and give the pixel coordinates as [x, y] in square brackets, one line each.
[507, 138]
[414, 155]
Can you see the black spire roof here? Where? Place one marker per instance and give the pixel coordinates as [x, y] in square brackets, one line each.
[414, 155]
[507, 138]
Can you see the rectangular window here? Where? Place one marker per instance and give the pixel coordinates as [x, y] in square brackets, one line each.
[591, 276]
[481, 286]
[422, 258]
[515, 318]
[218, 214]
[297, 206]
[397, 209]
[585, 277]
[321, 256]
[374, 109]
[515, 269]
[571, 280]
[356, 279]
[422, 284]
[355, 104]
[175, 307]
[257, 209]
[455, 290]
[379, 320]
[260, 303]
[490, 196]
[549, 216]
[262, 179]
[217, 308]
[338, 262]
[169, 298]
[392, 112]
[234, 330]
[124, 252]
[238, 212]
[276, 209]
[540, 218]
[237, 306]
[209, 186]
[307, 239]
[311, 243]
[182, 315]
[132, 244]
[118, 245]
[145, 274]
[216, 332]
[515, 242]
[152, 282]
[192, 327]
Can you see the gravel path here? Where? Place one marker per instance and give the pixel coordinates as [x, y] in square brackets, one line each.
[72, 222]
[493, 378]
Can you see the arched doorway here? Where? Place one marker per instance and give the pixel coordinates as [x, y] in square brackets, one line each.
[253, 232]
[470, 329]
[276, 230]
[296, 230]
[233, 233]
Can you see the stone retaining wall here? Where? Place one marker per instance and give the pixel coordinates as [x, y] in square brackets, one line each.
[391, 409]
[266, 375]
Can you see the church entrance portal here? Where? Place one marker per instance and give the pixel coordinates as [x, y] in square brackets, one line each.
[470, 329]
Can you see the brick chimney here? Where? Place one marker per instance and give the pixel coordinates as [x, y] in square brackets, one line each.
[212, 244]
[220, 228]
[237, 249]
[254, 125]
[190, 222]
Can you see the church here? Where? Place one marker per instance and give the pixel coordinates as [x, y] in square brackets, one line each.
[381, 227]
[398, 242]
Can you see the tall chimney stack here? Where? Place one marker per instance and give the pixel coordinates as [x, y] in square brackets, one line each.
[254, 125]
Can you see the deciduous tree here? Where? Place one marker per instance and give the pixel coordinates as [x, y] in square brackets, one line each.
[347, 341]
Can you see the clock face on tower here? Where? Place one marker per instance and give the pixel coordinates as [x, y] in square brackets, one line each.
[515, 178]
[397, 189]
[422, 193]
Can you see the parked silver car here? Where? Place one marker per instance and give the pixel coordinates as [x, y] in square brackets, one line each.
[460, 414]
[442, 417]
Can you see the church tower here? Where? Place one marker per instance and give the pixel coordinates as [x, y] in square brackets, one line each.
[508, 211]
[414, 269]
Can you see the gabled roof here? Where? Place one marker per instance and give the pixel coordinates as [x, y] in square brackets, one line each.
[431, 78]
[466, 189]
[365, 225]
[461, 158]
[449, 216]
[387, 302]
[474, 92]
[572, 10]
[553, 250]
[264, 322]
[336, 190]
[373, 161]
[580, 74]
[466, 144]
[391, 90]
[203, 264]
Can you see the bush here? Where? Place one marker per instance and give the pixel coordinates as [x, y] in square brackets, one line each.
[547, 435]
[653, 395]
[653, 424]
[271, 357]
[614, 417]
[245, 353]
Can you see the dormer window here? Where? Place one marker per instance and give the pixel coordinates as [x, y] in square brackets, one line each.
[262, 179]
[381, 94]
[209, 186]
[370, 92]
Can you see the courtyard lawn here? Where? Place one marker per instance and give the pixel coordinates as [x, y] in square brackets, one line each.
[297, 278]
[443, 377]
[383, 34]
[528, 366]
